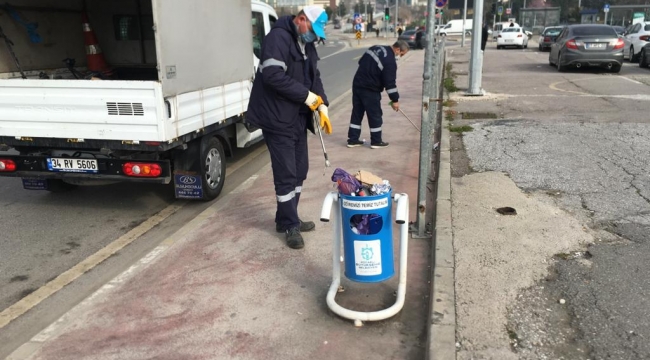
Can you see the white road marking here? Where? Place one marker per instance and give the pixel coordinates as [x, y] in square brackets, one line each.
[630, 80]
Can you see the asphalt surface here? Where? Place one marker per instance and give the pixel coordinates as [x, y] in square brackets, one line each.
[45, 234]
[579, 140]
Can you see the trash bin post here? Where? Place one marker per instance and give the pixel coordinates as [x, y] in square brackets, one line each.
[402, 216]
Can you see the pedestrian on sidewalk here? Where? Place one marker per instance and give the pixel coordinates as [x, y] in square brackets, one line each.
[285, 94]
[377, 31]
[399, 31]
[377, 71]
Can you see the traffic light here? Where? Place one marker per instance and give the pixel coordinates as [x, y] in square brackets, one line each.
[387, 13]
[494, 8]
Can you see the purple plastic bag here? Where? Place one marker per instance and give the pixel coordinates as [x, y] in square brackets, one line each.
[347, 184]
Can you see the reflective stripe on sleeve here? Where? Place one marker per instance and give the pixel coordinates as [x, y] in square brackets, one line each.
[391, 91]
[298, 189]
[273, 62]
[285, 198]
[374, 56]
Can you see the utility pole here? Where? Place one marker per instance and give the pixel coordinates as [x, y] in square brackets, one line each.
[462, 42]
[476, 59]
[396, 16]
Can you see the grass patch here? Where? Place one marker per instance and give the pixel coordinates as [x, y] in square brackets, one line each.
[450, 115]
[460, 129]
[564, 256]
[450, 85]
[449, 103]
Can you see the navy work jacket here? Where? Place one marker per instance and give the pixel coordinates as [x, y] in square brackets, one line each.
[378, 71]
[283, 80]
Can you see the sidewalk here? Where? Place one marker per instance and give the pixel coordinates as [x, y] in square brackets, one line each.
[227, 287]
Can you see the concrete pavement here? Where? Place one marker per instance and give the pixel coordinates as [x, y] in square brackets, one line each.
[226, 286]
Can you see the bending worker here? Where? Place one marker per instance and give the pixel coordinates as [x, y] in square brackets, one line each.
[377, 71]
[286, 91]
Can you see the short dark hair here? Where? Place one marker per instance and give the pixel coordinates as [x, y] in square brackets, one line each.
[401, 45]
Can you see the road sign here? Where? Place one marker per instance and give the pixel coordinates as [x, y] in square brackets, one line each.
[441, 3]
[508, 11]
[358, 35]
[358, 19]
[500, 10]
[606, 8]
[357, 27]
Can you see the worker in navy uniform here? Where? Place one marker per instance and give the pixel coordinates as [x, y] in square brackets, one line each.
[377, 71]
[286, 92]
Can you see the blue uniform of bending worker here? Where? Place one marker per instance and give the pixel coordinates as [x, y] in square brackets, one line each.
[286, 92]
[377, 71]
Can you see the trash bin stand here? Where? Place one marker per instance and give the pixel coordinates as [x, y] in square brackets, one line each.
[401, 218]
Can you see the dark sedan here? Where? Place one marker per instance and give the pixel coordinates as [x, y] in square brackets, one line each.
[409, 37]
[547, 37]
[644, 56]
[587, 45]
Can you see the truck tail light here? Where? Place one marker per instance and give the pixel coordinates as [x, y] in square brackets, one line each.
[141, 169]
[571, 44]
[619, 44]
[7, 165]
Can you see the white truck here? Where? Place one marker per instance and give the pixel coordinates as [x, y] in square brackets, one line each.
[455, 27]
[169, 111]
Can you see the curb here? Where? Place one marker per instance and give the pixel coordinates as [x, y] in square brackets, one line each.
[442, 327]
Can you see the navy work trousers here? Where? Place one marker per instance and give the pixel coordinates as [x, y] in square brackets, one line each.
[368, 102]
[290, 163]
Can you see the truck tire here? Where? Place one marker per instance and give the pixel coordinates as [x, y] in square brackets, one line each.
[213, 167]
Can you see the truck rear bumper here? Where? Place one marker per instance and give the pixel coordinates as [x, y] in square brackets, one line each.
[35, 167]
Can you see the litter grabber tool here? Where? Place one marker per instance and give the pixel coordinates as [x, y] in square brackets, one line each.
[407, 118]
[320, 135]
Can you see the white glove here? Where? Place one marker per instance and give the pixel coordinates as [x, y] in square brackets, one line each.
[313, 101]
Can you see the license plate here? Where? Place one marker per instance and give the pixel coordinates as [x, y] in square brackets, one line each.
[595, 45]
[72, 165]
[508, 40]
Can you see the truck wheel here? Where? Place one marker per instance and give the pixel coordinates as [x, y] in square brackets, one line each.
[213, 168]
[58, 186]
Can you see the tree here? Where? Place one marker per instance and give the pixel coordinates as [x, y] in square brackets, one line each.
[342, 9]
[329, 12]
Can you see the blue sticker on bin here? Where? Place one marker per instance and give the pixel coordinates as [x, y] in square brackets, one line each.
[188, 186]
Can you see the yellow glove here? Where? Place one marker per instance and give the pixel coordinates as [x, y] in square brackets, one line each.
[325, 123]
[313, 101]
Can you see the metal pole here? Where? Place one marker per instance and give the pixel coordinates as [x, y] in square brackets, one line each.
[425, 135]
[462, 42]
[396, 16]
[476, 60]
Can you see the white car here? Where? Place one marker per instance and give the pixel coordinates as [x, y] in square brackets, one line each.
[512, 36]
[635, 39]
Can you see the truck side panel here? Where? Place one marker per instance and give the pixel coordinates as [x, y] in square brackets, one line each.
[202, 44]
[198, 109]
[73, 109]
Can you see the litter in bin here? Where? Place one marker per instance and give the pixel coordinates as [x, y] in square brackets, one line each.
[363, 183]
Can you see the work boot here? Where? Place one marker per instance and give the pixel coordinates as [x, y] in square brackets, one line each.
[378, 145]
[294, 239]
[304, 226]
[354, 143]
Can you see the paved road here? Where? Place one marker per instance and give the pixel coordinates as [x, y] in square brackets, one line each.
[45, 234]
[581, 139]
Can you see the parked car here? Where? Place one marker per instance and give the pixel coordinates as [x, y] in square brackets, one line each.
[512, 36]
[644, 56]
[548, 36]
[411, 38]
[500, 26]
[619, 30]
[635, 39]
[587, 45]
